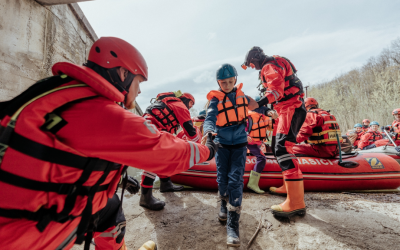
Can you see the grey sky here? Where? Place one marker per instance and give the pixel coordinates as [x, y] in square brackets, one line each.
[184, 42]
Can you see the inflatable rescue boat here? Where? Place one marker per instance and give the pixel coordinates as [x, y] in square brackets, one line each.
[374, 171]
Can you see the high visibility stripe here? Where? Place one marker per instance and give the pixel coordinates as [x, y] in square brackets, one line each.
[115, 232]
[194, 149]
[327, 122]
[284, 156]
[191, 160]
[149, 174]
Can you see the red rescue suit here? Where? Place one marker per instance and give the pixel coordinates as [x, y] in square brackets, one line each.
[95, 128]
[318, 121]
[368, 138]
[285, 93]
[359, 134]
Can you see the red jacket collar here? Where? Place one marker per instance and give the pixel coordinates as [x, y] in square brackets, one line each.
[90, 77]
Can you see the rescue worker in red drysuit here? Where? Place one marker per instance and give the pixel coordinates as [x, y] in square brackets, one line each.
[365, 124]
[169, 112]
[65, 141]
[369, 138]
[285, 92]
[393, 130]
[319, 129]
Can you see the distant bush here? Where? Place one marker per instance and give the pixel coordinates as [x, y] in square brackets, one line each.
[371, 91]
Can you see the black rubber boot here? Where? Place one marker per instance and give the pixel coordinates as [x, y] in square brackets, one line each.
[232, 227]
[147, 200]
[167, 186]
[223, 212]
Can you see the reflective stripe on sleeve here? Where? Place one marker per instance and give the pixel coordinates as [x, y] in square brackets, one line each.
[115, 232]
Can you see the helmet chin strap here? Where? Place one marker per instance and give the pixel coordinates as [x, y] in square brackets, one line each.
[112, 76]
[122, 86]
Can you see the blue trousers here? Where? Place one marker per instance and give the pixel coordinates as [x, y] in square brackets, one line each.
[230, 170]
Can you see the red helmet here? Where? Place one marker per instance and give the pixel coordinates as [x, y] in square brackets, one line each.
[395, 112]
[310, 101]
[188, 96]
[366, 120]
[112, 52]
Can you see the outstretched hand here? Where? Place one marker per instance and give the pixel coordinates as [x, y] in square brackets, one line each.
[273, 114]
[204, 138]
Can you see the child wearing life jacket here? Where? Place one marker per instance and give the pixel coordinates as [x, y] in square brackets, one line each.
[226, 118]
[356, 134]
[258, 125]
[369, 138]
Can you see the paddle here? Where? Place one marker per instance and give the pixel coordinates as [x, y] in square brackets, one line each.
[390, 139]
[345, 164]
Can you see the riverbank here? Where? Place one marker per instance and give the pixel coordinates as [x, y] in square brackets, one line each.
[333, 221]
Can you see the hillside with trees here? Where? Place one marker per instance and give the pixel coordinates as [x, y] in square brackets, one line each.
[371, 91]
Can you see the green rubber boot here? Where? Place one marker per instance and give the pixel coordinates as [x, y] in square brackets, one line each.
[253, 182]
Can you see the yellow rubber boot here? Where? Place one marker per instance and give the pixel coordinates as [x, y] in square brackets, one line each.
[280, 190]
[150, 245]
[294, 203]
[253, 182]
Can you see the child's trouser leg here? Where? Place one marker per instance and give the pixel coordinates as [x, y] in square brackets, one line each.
[261, 160]
[235, 175]
[222, 159]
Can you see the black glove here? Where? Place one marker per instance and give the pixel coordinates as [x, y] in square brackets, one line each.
[397, 149]
[211, 146]
[132, 185]
[263, 101]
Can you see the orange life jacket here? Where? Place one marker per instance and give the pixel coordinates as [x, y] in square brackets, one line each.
[166, 115]
[47, 181]
[261, 124]
[229, 114]
[326, 134]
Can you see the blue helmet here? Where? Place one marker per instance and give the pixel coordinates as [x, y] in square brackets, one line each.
[373, 123]
[357, 125]
[203, 112]
[226, 71]
[257, 98]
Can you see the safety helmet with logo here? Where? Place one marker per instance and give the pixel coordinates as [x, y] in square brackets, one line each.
[108, 54]
[396, 111]
[225, 71]
[203, 112]
[186, 98]
[357, 125]
[366, 120]
[310, 102]
[255, 58]
[373, 123]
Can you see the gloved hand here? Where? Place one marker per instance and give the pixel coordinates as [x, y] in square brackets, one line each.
[211, 146]
[397, 149]
[132, 185]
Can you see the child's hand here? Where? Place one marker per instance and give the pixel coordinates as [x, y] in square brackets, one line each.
[249, 139]
[252, 104]
[204, 138]
[273, 114]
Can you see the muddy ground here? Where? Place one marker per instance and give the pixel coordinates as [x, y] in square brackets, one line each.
[333, 221]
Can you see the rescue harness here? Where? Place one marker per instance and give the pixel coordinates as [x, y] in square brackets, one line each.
[295, 85]
[166, 115]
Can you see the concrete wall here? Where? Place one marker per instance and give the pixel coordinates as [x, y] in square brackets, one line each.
[33, 37]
